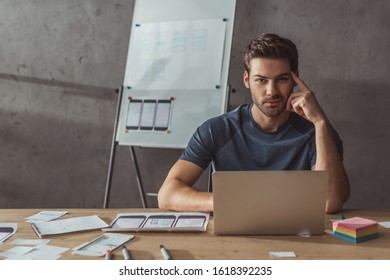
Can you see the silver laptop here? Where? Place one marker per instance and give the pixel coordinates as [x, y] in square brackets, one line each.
[269, 202]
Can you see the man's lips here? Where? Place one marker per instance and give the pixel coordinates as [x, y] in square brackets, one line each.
[273, 102]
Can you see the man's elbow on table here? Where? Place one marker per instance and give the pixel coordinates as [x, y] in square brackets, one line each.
[332, 208]
[334, 205]
[163, 198]
[337, 196]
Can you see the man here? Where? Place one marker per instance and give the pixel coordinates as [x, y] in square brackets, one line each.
[281, 130]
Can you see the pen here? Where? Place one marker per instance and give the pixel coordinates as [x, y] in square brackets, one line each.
[108, 255]
[125, 253]
[165, 253]
[341, 216]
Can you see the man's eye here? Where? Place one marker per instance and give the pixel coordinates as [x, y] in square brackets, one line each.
[261, 81]
[283, 80]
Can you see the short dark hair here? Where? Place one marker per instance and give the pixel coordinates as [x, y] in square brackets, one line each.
[271, 46]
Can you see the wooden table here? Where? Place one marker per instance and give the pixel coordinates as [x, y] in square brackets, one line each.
[208, 246]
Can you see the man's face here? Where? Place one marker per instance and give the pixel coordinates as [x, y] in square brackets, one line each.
[270, 84]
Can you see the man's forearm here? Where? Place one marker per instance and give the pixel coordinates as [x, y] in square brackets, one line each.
[179, 197]
[329, 159]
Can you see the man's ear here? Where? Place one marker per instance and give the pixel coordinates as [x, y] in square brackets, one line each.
[246, 78]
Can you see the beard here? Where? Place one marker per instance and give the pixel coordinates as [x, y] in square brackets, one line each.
[273, 110]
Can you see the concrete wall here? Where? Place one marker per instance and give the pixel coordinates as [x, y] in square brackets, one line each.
[60, 62]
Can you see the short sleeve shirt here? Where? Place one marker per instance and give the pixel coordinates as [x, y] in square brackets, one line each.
[234, 141]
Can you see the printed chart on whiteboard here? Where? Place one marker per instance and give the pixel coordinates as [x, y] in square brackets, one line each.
[168, 55]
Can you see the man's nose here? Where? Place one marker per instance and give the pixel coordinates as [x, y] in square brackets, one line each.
[271, 88]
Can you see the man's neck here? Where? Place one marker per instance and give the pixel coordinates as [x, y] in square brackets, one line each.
[270, 124]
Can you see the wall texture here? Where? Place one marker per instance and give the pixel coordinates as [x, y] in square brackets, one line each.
[60, 62]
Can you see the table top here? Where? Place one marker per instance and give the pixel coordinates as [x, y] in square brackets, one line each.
[207, 245]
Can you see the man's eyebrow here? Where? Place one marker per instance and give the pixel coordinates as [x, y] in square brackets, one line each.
[260, 76]
[284, 74]
[278, 76]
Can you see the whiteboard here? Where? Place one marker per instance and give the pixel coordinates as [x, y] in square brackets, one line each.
[176, 71]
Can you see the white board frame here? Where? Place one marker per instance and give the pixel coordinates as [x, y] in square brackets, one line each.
[190, 107]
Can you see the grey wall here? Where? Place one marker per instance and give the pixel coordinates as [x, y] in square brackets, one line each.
[60, 62]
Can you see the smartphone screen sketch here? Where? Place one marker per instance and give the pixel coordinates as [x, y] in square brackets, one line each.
[5, 232]
[162, 115]
[134, 114]
[129, 222]
[190, 221]
[147, 115]
[159, 221]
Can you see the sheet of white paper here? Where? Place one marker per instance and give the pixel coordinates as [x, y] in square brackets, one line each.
[134, 113]
[147, 114]
[99, 246]
[16, 251]
[70, 225]
[7, 230]
[176, 55]
[385, 224]
[45, 216]
[36, 256]
[30, 242]
[162, 114]
[42, 252]
[287, 254]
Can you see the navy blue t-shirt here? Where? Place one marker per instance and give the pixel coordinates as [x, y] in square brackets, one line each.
[233, 141]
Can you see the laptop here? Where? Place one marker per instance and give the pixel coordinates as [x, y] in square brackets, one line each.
[269, 202]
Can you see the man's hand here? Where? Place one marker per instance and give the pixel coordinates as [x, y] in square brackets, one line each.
[304, 102]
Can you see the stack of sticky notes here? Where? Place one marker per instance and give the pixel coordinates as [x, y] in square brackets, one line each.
[355, 229]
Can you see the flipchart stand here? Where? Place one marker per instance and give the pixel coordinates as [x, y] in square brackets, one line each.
[114, 145]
